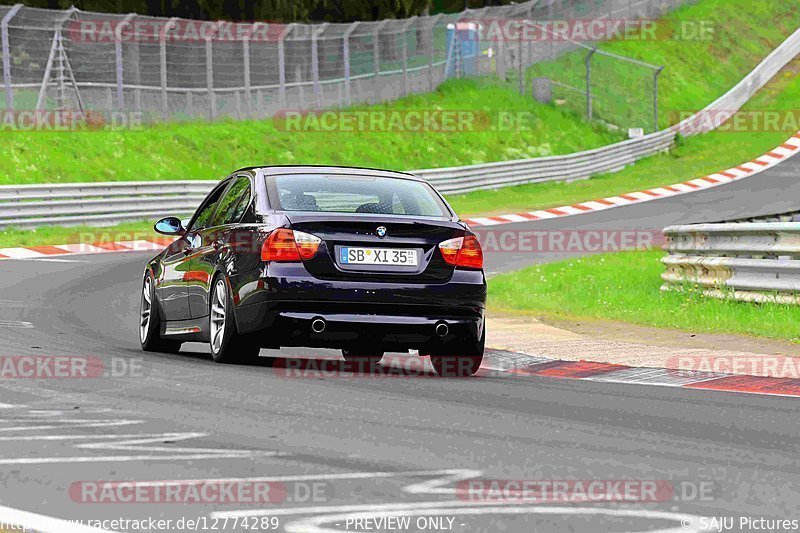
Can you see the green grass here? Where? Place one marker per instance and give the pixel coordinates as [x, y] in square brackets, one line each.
[83, 234]
[693, 157]
[697, 71]
[202, 150]
[624, 286]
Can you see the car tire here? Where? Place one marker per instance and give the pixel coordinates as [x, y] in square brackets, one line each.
[463, 360]
[227, 345]
[150, 321]
[362, 356]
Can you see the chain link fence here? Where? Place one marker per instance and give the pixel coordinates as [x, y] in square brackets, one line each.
[618, 90]
[173, 69]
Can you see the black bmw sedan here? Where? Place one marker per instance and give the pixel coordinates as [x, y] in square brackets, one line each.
[366, 261]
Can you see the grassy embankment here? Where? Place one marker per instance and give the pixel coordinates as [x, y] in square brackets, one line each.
[595, 288]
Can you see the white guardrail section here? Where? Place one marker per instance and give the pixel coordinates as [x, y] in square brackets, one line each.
[75, 204]
[106, 203]
[754, 262]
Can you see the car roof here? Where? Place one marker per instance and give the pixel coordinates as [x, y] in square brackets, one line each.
[274, 170]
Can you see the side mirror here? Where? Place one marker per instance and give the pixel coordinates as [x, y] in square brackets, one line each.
[169, 226]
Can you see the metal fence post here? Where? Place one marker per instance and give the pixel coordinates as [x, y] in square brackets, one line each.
[521, 70]
[432, 55]
[246, 71]
[530, 41]
[589, 82]
[459, 60]
[315, 33]
[376, 52]
[212, 98]
[655, 97]
[403, 31]
[282, 63]
[500, 62]
[477, 60]
[163, 55]
[118, 58]
[7, 56]
[552, 54]
[346, 59]
[246, 60]
[246, 67]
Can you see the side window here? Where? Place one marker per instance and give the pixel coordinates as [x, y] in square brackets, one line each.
[242, 206]
[234, 203]
[206, 210]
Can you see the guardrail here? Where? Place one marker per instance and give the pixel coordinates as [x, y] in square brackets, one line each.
[753, 262]
[107, 203]
[73, 204]
[580, 165]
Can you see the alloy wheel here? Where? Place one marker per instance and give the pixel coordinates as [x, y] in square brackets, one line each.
[218, 316]
[146, 308]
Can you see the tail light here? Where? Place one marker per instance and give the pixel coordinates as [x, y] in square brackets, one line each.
[286, 245]
[464, 252]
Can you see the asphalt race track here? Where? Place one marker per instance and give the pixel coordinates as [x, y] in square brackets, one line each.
[374, 445]
[773, 191]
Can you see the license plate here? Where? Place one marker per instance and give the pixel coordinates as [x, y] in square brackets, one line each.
[349, 255]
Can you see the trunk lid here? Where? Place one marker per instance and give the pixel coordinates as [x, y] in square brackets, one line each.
[358, 235]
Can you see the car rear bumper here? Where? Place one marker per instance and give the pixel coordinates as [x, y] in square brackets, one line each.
[279, 311]
[390, 332]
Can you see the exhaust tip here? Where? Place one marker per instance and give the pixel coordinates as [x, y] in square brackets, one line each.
[318, 325]
[442, 329]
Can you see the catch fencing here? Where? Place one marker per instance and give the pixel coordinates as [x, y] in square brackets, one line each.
[753, 262]
[185, 69]
[106, 203]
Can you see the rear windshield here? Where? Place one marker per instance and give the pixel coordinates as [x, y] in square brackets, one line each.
[355, 194]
